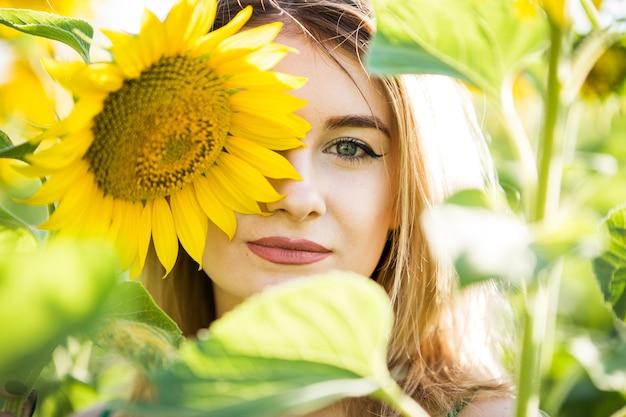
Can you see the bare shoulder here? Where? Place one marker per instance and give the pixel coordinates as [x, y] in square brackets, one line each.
[490, 407]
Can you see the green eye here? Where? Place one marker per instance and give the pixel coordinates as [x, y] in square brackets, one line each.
[347, 149]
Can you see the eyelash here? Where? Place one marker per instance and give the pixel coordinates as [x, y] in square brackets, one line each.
[368, 151]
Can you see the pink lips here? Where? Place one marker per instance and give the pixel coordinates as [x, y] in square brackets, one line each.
[282, 250]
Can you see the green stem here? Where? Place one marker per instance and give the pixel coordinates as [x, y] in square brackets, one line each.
[562, 388]
[521, 144]
[14, 406]
[399, 401]
[592, 13]
[550, 152]
[541, 294]
[526, 385]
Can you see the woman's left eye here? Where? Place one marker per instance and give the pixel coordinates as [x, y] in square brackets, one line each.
[350, 148]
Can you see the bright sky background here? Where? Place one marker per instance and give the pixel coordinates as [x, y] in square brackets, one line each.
[126, 14]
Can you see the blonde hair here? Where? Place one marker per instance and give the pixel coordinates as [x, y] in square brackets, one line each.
[437, 332]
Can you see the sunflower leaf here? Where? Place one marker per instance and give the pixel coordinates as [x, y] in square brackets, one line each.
[292, 349]
[610, 267]
[481, 42]
[75, 33]
[16, 233]
[16, 151]
[136, 328]
[5, 141]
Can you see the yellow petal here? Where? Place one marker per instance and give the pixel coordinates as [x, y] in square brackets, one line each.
[246, 178]
[270, 80]
[231, 196]
[83, 80]
[190, 221]
[62, 72]
[201, 20]
[126, 53]
[252, 125]
[272, 101]
[143, 237]
[65, 152]
[152, 38]
[164, 234]
[128, 215]
[220, 215]
[80, 118]
[58, 184]
[262, 60]
[267, 162]
[97, 218]
[187, 21]
[205, 44]
[244, 43]
[72, 208]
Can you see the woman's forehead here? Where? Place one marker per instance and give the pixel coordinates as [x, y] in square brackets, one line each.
[336, 81]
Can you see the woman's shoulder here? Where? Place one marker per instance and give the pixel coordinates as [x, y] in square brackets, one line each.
[489, 407]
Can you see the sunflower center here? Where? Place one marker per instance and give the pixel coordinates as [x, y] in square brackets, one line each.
[160, 131]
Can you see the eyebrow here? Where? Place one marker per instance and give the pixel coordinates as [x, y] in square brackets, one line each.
[370, 122]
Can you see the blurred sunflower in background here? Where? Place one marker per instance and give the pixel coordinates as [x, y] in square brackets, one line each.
[608, 75]
[28, 97]
[179, 128]
[26, 92]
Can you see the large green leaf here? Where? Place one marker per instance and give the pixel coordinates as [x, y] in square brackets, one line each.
[47, 294]
[610, 267]
[294, 348]
[482, 42]
[73, 32]
[136, 328]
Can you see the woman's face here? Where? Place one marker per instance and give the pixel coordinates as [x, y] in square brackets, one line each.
[338, 216]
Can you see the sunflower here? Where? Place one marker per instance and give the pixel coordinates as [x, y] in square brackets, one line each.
[179, 129]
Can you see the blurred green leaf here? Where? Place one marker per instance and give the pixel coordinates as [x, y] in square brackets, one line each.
[572, 233]
[503, 250]
[294, 348]
[470, 198]
[481, 42]
[610, 267]
[136, 328]
[604, 362]
[5, 141]
[48, 294]
[73, 32]
[15, 235]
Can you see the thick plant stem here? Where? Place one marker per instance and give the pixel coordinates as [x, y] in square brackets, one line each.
[539, 296]
[15, 406]
[527, 390]
[549, 158]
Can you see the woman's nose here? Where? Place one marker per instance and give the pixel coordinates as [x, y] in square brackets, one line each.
[303, 198]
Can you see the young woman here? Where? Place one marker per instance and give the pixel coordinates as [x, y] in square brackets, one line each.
[380, 153]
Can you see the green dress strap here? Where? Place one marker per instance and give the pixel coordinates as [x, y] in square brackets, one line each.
[456, 411]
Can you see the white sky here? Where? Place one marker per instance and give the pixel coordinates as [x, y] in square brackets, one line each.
[126, 14]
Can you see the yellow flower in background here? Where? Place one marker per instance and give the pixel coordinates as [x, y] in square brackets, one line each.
[63, 7]
[27, 97]
[24, 102]
[179, 129]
